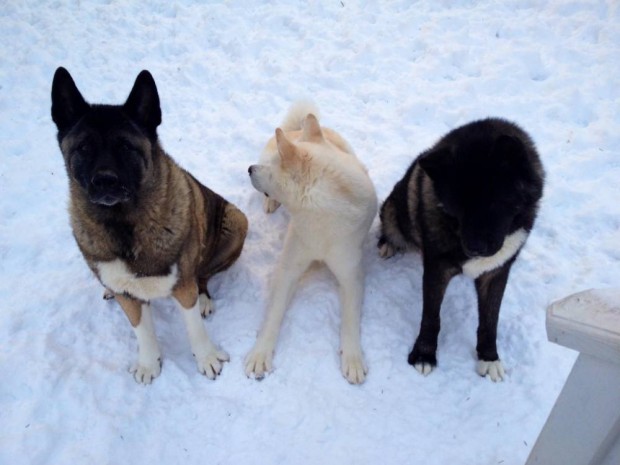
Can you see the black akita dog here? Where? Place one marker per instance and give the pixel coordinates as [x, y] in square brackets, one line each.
[468, 204]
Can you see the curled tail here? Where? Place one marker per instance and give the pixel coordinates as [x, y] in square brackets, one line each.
[297, 113]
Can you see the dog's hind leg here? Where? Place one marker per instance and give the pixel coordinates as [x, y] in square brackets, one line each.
[228, 247]
[391, 240]
[348, 270]
[490, 288]
[148, 366]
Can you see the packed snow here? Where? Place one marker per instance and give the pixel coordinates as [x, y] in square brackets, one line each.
[392, 77]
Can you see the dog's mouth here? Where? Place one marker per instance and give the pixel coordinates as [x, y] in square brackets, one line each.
[106, 189]
[481, 249]
[255, 179]
[109, 199]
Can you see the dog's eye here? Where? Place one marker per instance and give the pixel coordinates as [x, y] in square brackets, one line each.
[126, 147]
[84, 148]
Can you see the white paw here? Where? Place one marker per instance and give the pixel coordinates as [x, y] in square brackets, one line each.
[423, 368]
[270, 205]
[206, 305]
[210, 364]
[145, 373]
[386, 250]
[494, 369]
[353, 368]
[259, 362]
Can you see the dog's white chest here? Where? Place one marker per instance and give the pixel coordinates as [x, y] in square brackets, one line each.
[116, 276]
[474, 267]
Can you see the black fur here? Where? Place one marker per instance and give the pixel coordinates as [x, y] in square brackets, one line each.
[459, 200]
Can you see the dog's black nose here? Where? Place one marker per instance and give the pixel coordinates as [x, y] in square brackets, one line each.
[105, 179]
[250, 169]
[481, 248]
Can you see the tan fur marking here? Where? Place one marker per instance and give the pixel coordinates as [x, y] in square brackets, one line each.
[186, 294]
[131, 307]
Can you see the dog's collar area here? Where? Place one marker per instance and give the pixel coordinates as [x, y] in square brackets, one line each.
[117, 276]
[474, 267]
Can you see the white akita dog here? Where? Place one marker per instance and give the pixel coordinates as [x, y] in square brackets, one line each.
[314, 173]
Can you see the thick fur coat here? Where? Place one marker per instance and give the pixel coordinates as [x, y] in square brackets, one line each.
[146, 227]
[313, 172]
[468, 204]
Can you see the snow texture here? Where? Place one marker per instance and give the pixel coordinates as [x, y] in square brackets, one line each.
[392, 77]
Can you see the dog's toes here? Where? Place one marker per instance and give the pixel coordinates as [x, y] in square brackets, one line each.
[211, 364]
[423, 368]
[146, 373]
[206, 305]
[423, 362]
[258, 363]
[108, 294]
[270, 205]
[494, 369]
[353, 368]
[386, 250]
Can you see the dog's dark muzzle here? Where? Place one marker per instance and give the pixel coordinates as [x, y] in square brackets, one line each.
[107, 189]
[478, 247]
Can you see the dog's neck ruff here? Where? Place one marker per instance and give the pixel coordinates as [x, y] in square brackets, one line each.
[474, 267]
[117, 276]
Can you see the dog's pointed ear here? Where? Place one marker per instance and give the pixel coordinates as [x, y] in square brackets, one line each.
[287, 150]
[142, 105]
[312, 130]
[437, 163]
[68, 105]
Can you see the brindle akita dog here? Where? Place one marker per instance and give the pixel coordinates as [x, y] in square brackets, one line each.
[146, 227]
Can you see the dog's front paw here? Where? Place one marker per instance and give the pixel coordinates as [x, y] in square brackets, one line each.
[206, 305]
[259, 362]
[494, 369]
[211, 363]
[423, 363]
[145, 373]
[270, 205]
[353, 368]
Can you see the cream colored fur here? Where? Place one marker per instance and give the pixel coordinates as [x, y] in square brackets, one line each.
[314, 173]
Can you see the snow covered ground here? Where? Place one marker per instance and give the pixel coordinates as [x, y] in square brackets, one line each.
[392, 77]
